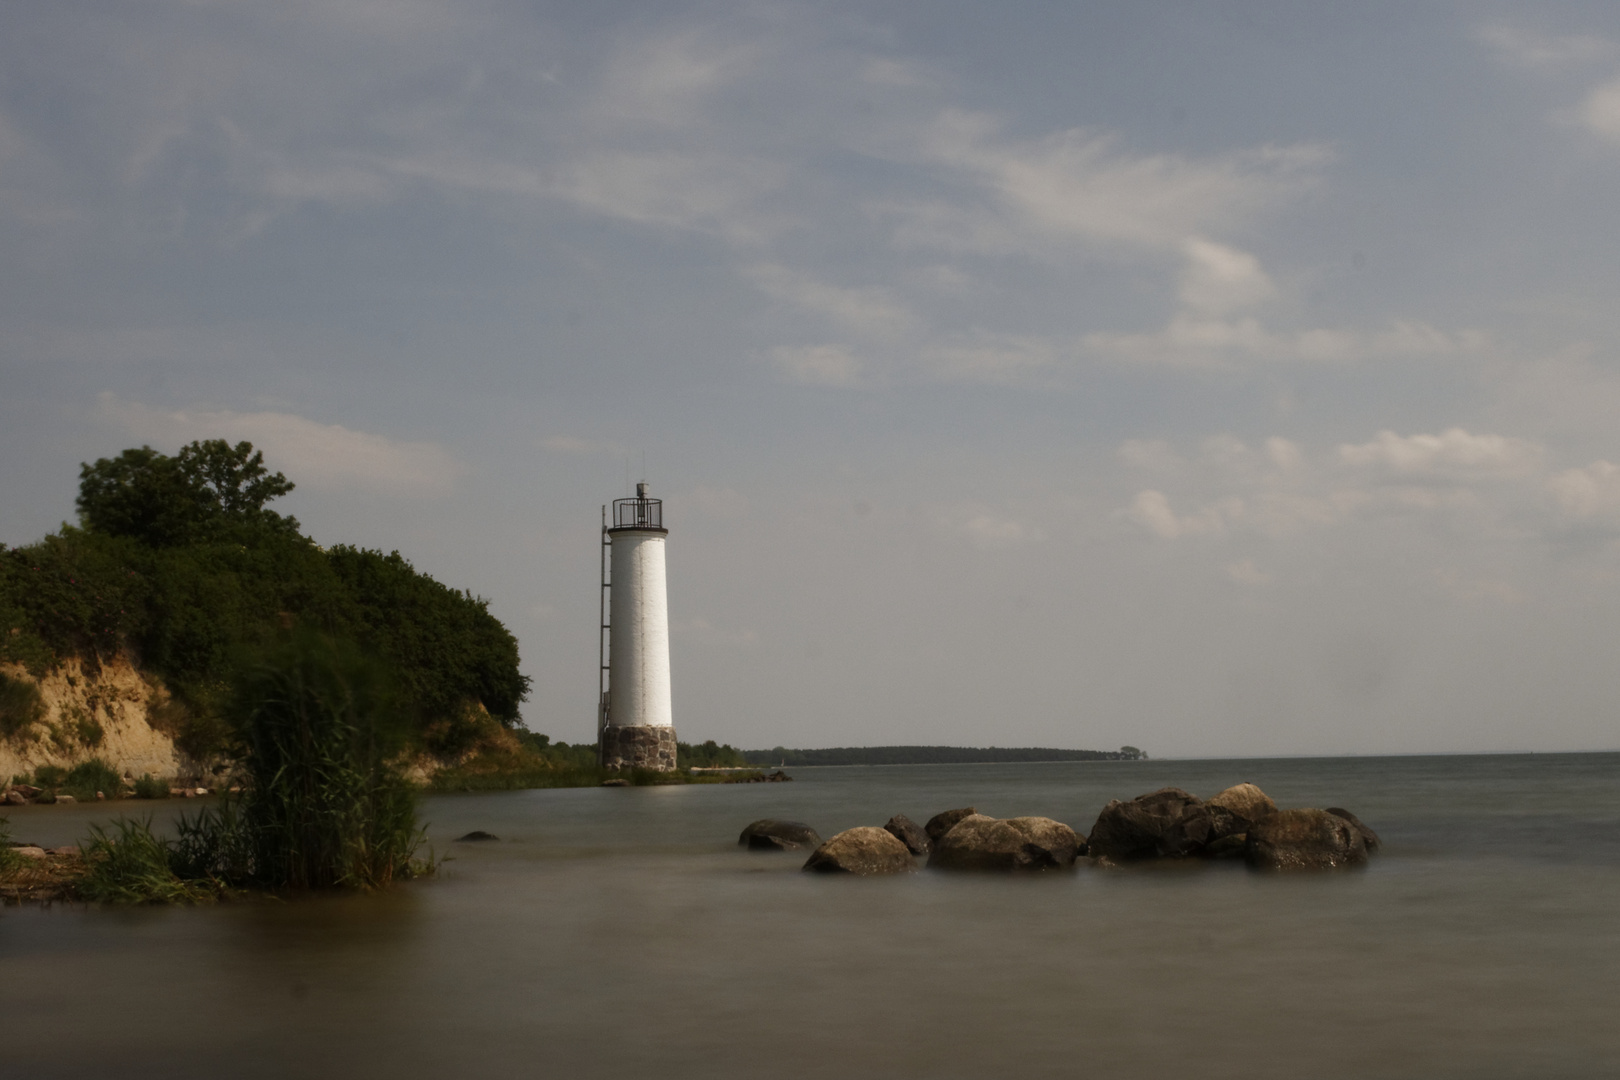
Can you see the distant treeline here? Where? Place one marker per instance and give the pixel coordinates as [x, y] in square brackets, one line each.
[933, 755]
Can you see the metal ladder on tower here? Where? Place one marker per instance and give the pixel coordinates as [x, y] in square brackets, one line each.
[603, 684]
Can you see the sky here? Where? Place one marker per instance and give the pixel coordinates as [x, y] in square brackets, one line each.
[1223, 380]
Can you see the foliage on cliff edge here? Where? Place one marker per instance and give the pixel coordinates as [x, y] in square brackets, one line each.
[177, 561]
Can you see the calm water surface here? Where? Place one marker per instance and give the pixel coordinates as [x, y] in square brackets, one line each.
[621, 932]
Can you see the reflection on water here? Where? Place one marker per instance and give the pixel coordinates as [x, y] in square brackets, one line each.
[620, 931]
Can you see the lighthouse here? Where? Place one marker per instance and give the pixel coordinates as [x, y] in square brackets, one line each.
[635, 725]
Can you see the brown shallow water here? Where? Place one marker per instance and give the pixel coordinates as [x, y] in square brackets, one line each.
[621, 932]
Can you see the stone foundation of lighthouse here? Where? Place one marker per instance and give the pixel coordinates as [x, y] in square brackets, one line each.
[642, 747]
[637, 729]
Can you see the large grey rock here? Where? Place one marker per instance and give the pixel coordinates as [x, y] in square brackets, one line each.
[1368, 837]
[943, 822]
[909, 833]
[978, 842]
[1245, 804]
[768, 834]
[864, 850]
[1145, 827]
[1304, 840]
[16, 798]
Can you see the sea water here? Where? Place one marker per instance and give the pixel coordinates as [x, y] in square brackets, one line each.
[622, 932]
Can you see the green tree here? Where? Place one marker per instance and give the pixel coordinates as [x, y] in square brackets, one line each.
[209, 490]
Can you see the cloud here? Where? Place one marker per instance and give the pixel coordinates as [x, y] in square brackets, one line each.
[1151, 510]
[1525, 48]
[1217, 279]
[866, 311]
[667, 80]
[989, 530]
[1486, 484]
[1454, 453]
[1590, 492]
[1079, 185]
[817, 365]
[314, 455]
[1191, 340]
[1599, 114]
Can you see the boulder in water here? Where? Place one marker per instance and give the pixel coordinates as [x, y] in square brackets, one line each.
[475, 837]
[909, 833]
[1144, 827]
[944, 822]
[864, 850]
[1245, 804]
[1368, 837]
[768, 834]
[1304, 840]
[978, 842]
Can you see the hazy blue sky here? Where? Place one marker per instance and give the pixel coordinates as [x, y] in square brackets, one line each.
[1229, 378]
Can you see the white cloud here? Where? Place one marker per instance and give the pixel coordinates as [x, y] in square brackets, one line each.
[988, 530]
[1590, 492]
[1526, 48]
[1079, 185]
[1599, 114]
[667, 80]
[1151, 510]
[868, 311]
[315, 455]
[817, 365]
[1217, 279]
[1452, 453]
[713, 192]
[1233, 344]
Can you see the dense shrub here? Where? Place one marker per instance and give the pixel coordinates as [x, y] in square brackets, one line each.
[21, 707]
[179, 562]
[82, 781]
[147, 787]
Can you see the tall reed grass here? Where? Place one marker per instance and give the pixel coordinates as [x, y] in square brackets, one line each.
[325, 801]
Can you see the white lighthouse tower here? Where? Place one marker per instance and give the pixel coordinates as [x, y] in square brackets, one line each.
[635, 725]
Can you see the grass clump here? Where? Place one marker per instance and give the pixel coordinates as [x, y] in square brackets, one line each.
[325, 802]
[132, 865]
[147, 787]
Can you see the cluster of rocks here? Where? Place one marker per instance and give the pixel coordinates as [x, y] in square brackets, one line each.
[1239, 823]
[28, 794]
[776, 777]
